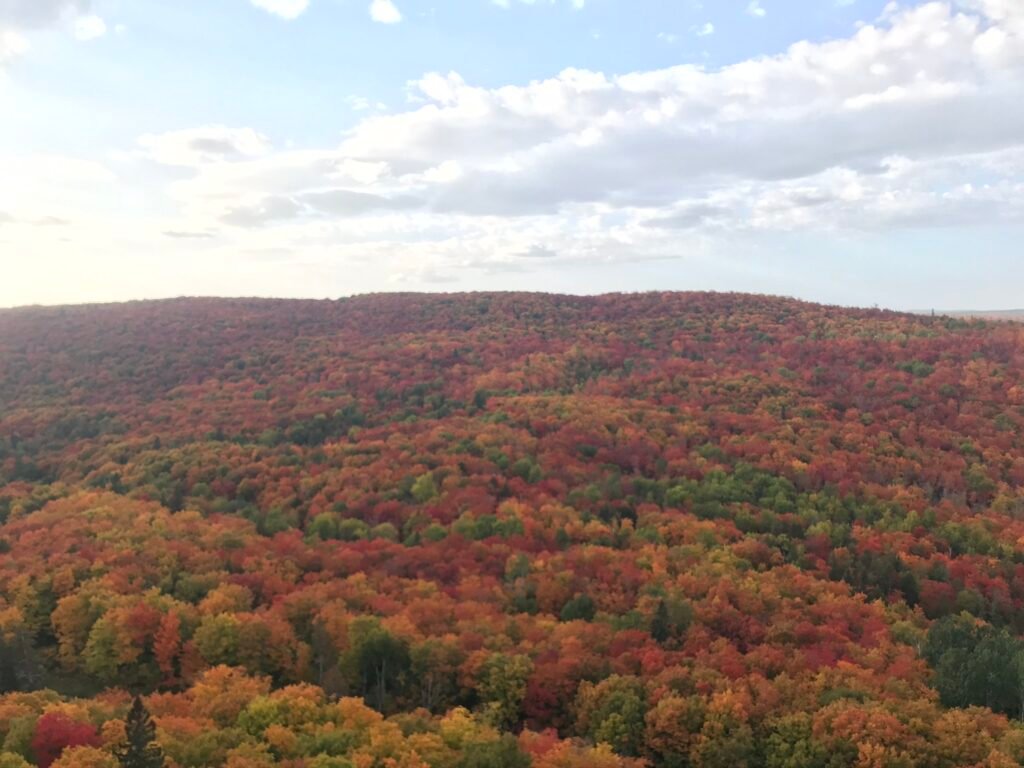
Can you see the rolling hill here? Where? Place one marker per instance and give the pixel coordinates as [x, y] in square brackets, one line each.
[709, 530]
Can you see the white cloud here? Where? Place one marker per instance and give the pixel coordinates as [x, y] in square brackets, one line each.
[916, 121]
[19, 16]
[209, 144]
[777, 142]
[1009, 14]
[90, 27]
[385, 12]
[364, 104]
[286, 9]
[577, 5]
[12, 44]
[706, 30]
[755, 9]
[38, 13]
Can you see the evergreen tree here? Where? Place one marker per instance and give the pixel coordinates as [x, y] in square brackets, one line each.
[140, 749]
[661, 627]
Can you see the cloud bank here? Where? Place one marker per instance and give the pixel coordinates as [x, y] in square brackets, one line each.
[917, 118]
[18, 18]
[914, 121]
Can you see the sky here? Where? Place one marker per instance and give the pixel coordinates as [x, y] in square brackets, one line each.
[854, 152]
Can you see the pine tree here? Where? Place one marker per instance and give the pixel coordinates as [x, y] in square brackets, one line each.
[661, 627]
[140, 749]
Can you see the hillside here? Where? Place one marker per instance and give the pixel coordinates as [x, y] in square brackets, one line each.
[706, 530]
[981, 314]
[1009, 314]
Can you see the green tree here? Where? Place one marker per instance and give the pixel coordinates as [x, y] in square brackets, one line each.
[725, 741]
[502, 686]
[376, 660]
[974, 664]
[384, 531]
[661, 628]
[324, 526]
[21, 666]
[424, 489]
[504, 753]
[140, 749]
[19, 736]
[435, 666]
[217, 639]
[579, 608]
[351, 529]
[792, 745]
[613, 712]
[105, 649]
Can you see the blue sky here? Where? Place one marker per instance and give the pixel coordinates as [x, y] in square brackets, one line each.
[854, 152]
[231, 62]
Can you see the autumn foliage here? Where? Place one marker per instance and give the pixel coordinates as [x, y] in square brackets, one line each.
[56, 732]
[674, 530]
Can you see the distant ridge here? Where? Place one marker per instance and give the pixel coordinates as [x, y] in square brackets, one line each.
[984, 314]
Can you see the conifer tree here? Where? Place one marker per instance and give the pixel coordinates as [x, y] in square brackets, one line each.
[140, 749]
[661, 627]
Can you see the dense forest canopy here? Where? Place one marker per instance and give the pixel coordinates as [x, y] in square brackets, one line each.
[411, 531]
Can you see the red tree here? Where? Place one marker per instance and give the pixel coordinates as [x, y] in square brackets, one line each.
[55, 732]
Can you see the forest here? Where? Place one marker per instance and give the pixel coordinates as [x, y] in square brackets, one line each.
[680, 530]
